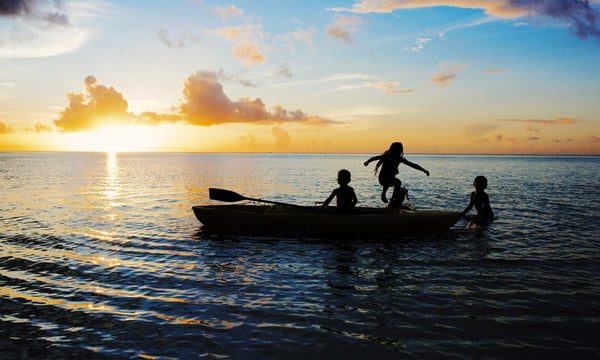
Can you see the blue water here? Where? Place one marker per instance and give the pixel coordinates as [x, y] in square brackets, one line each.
[101, 257]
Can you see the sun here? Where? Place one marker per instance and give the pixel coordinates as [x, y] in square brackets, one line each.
[115, 138]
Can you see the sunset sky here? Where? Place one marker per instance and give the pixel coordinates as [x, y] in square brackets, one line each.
[441, 76]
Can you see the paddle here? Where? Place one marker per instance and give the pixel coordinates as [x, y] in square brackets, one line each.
[231, 196]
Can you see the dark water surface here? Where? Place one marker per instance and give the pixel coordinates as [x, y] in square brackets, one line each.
[101, 257]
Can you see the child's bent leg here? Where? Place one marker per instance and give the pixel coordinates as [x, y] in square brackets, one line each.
[383, 197]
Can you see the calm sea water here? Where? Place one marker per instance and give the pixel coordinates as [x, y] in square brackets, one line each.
[101, 257]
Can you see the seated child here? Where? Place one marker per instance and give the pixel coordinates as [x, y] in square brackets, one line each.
[481, 201]
[345, 196]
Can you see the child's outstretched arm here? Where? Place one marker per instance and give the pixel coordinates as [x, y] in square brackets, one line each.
[374, 158]
[415, 166]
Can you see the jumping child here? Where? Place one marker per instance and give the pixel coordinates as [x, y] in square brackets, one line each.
[389, 162]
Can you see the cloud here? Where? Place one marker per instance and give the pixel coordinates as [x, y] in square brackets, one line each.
[283, 70]
[495, 71]
[388, 87]
[537, 124]
[247, 52]
[419, 45]
[442, 78]
[578, 14]
[5, 128]
[205, 103]
[227, 11]
[305, 36]
[594, 139]
[36, 10]
[180, 42]
[340, 34]
[246, 46]
[100, 105]
[449, 71]
[40, 128]
[342, 28]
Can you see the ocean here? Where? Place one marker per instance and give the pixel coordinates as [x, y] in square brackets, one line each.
[102, 258]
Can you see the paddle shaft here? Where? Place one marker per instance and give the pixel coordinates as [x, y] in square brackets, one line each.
[232, 196]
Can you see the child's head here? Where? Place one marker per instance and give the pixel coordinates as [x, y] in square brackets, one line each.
[480, 183]
[343, 177]
[396, 148]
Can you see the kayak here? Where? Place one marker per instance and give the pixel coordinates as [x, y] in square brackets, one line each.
[315, 220]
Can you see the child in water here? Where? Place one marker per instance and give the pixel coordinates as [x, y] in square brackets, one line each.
[481, 201]
[345, 196]
[389, 162]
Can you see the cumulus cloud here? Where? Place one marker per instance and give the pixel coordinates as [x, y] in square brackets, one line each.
[205, 103]
[100, 105]
[5, 128]
[578, 14]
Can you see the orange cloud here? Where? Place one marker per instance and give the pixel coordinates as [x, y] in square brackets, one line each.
[5, 128]
[246, 46]
[205, 103]
[442, 78]
[537, 124]
[100, 105]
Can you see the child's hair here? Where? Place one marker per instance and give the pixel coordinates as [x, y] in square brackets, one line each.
[344, 176]
[396, 149]
[480, 183]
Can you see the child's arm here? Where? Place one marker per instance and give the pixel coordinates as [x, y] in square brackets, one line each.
[487, 207]
[415, 166]
[374, 158]
[470, 206]
[333, 193]
[354, 199]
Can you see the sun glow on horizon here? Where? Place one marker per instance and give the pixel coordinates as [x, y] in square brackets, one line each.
[115, 138]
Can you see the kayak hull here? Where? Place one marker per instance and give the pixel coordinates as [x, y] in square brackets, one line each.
[313, 219]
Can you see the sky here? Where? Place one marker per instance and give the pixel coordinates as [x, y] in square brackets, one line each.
[440, 76]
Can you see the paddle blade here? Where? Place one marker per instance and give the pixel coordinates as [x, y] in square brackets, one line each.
[224, 195]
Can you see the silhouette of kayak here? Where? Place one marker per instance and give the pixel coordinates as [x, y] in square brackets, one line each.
[313, 219]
